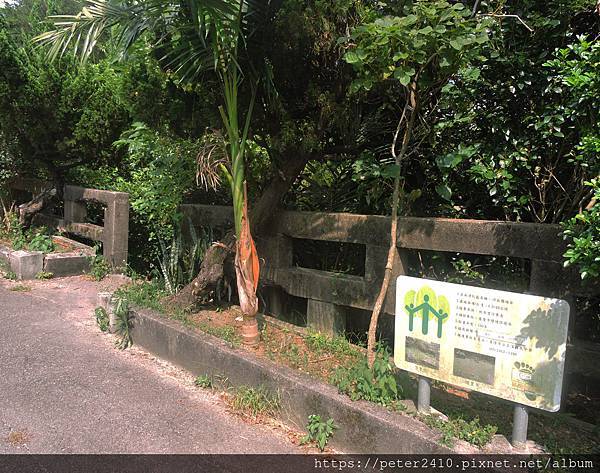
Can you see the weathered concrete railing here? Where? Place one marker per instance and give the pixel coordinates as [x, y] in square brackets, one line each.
[113, 234]
[329, 295]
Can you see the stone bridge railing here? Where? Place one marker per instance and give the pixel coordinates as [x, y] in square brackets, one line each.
[331, 297]
[114, 232]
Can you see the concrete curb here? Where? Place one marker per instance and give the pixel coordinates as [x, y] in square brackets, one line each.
[363, 426]
[28, 264]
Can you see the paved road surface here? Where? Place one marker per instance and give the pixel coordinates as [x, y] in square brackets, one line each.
[64, 388]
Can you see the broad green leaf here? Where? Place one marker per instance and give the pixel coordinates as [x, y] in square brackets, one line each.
[351, 57]
[444, 191]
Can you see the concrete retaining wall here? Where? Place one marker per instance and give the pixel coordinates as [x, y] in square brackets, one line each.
[28, 264]
[114, 234]
[364, 427]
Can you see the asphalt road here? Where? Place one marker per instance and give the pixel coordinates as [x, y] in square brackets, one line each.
[64, 388]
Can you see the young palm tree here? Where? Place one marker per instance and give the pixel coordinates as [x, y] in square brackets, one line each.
[197, 35]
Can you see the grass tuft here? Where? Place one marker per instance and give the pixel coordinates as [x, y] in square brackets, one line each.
[255, 401]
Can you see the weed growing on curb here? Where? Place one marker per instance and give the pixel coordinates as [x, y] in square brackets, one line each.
[123, 328]
[458, 428]
[102, 318]
[377, 385]
[99, 267]
[149, 294]
[144, 294]
[319, 431]
[44, 275]
[255, 401]
[204, 381]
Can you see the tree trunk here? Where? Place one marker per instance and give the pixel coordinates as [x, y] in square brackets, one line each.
[411, 109]
[47, 198]
[218, 260]
[43, 200]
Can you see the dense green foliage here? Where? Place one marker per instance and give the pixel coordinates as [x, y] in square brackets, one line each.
[584, 232]
[54, 117]
[32, 239]
[514, 135]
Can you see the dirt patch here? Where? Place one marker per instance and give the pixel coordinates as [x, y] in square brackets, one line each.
[312, 353]
[18, 438]
[61, 246]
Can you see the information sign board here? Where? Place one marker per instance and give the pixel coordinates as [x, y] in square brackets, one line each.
[506, 344]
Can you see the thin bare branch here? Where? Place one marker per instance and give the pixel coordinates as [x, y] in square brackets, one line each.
[517, 17]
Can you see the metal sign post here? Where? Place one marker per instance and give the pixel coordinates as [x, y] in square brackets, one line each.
[520, 421]
[424, 396]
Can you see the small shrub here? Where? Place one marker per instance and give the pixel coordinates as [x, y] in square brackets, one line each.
[376, 385]
[44, 275]
[34, 239]
[319, 431]
[146, 294]
[204, 381]
[255, 401]
[102, 318]
[38, 240]
[123, 328]
[99, 267]
[458, 428]
[9, 274]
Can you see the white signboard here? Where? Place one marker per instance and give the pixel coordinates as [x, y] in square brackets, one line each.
[501, 343]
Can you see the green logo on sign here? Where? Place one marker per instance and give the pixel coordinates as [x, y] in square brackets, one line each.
[426, 304]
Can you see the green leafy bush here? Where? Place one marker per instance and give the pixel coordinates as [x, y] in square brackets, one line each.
[319, 431]
[583, 233]
[33, 239]
[157, 172]
[99, 267]
[377, 385]
[38, 240]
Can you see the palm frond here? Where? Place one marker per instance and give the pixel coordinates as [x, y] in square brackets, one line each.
[128, 21]
[211, 160]
[82, 31]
